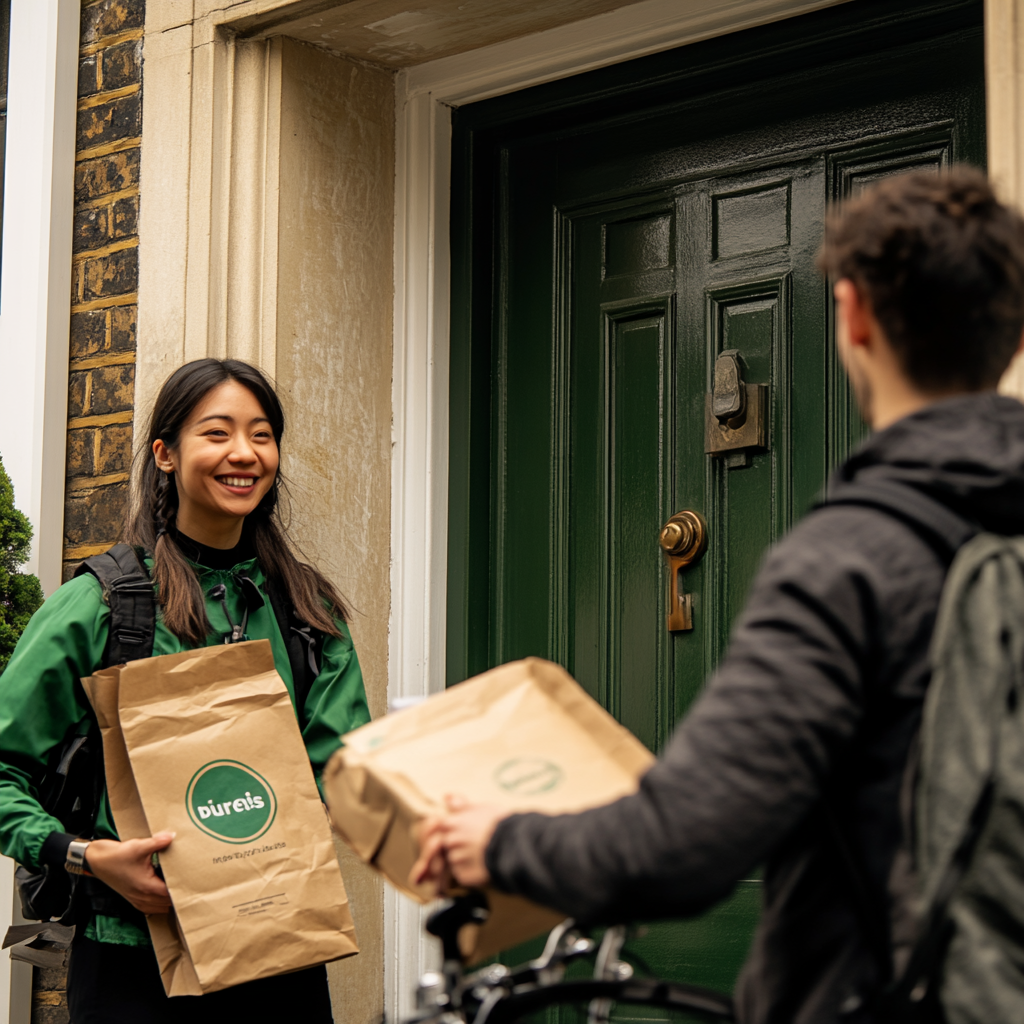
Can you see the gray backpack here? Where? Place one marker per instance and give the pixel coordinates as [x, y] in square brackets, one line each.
[968, 813]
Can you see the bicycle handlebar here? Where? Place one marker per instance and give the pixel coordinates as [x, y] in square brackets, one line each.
[499, 995]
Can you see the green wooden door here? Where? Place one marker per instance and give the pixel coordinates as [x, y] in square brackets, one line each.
[606, 251]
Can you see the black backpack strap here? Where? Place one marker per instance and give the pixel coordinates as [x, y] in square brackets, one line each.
[945, 530]
[73, 787]
[303, 643]
[128, 590]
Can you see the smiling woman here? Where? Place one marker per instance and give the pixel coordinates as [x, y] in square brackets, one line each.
[214, 438]
[204, 522]
[226, 462]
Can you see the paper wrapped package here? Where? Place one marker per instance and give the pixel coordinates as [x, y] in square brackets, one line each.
[205, 744]
[523, 736]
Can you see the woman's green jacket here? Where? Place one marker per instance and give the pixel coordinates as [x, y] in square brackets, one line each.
[42, 702]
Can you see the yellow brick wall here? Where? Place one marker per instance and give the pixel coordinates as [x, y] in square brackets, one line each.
[105, 276]
[104, 285]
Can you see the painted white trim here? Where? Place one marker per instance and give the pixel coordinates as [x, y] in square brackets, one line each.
[611, 38]
[420, 465]
[419, 502]
[419, 471]
[35, 285]
[35, 315]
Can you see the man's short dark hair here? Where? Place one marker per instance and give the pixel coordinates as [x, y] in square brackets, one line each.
[941, 262]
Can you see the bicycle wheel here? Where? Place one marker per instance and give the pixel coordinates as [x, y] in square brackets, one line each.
[699, 1003]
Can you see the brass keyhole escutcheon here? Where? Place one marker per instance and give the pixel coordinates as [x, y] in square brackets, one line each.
[683, 539]
[684, 536]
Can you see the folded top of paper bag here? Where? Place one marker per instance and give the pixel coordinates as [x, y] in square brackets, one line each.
[524, 735]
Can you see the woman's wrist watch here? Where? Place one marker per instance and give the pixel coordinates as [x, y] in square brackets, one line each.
[75, 863]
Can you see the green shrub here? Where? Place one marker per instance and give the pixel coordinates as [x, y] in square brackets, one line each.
[20, 593]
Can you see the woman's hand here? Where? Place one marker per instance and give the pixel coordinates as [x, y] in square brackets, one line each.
[454, 846]
[128, 869]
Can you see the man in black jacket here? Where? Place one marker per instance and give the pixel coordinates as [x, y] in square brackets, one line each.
[806, 726]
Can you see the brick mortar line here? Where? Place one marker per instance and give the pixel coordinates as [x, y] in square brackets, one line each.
[108, 149]
[96, 362]
[107, 200]
[88, 483]
[128, 299]
[101, 420]
[131, 242]
[79, 551]
[97, 99]
[89, 49]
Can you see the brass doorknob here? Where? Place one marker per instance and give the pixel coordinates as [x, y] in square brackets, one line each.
[684, 536]
[683, 539]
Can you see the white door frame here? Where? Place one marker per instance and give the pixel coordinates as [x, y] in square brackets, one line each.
[419, 480]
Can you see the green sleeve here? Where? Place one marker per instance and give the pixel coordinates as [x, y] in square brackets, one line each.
[41, 700]
[336, 703]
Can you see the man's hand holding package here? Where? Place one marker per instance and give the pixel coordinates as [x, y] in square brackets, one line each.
[127, 867]
[453, 846]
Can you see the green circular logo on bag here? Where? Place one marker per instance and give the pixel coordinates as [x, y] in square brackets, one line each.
[528, 775]
[231, 802]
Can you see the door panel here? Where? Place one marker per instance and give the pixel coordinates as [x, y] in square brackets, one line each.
[619, 366]
[604, 256]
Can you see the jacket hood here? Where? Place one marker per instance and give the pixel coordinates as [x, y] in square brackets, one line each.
[967, 452]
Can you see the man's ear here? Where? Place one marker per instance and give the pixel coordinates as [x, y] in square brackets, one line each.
[162, 456]
[853, 312]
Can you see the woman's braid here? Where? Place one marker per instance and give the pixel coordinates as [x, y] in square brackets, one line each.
[165, 508]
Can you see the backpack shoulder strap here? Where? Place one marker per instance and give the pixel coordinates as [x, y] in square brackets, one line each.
[945, 530]
[128, 591]
[303, 643]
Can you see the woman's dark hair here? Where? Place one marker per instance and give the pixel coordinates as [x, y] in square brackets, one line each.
[941, 261]
[154, 507]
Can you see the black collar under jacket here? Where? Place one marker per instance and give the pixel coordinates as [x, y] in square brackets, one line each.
[816, 702]
[215, 558]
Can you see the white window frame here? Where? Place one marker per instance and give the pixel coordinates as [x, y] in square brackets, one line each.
[35, 321]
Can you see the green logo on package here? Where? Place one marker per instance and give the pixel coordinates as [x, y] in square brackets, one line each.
[231, 802]
[528, 776]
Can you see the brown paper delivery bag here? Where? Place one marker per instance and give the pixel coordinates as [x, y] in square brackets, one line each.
[524, 736]
[176, 969]
[215, 755]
